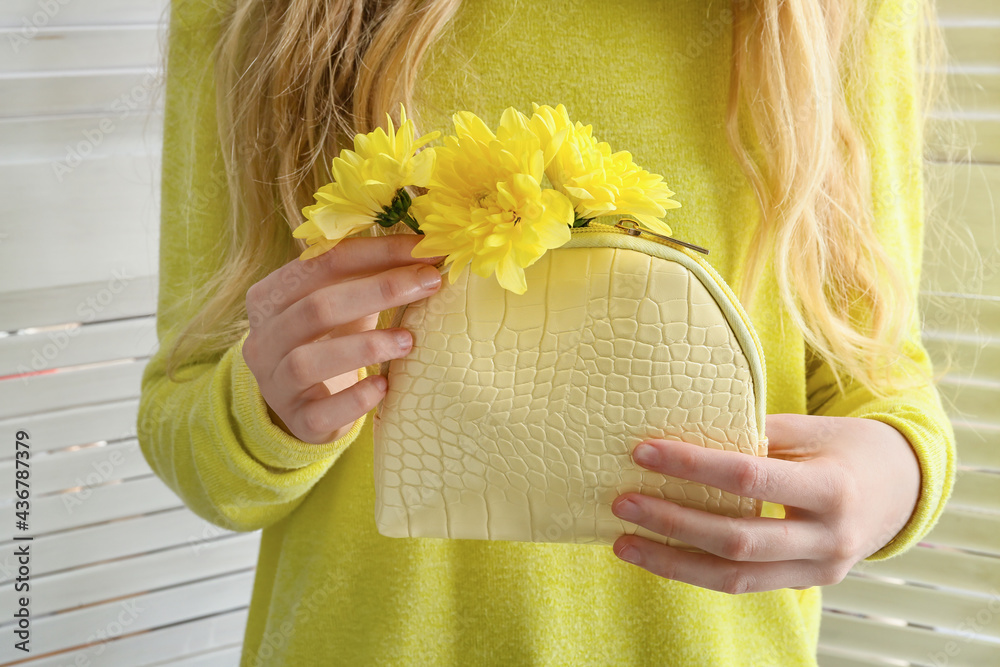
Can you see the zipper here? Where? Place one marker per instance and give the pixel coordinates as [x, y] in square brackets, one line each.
[630, 227]
[622, 226]
[634, 229]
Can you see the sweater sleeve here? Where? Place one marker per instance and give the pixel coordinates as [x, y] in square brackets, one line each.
[916, 413]
[210, 438]
[895, 145]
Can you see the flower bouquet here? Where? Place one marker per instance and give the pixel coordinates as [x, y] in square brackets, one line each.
[494, 200]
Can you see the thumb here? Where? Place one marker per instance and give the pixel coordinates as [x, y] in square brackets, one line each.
[794, 437]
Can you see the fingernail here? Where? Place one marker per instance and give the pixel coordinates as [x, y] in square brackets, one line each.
[626, 509]
[429, 277]
[380, 382]
[403, 339]
[644, 453]
[630, 554]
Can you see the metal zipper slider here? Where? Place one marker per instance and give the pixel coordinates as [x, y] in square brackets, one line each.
[634, 230]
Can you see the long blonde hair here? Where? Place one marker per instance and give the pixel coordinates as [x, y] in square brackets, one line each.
[297, 78]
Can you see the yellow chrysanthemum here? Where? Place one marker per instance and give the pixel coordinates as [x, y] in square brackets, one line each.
[366, 184]
[485, 205]
[597, 181]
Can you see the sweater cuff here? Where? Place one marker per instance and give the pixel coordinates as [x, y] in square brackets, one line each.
[932, 439]
[263, 439]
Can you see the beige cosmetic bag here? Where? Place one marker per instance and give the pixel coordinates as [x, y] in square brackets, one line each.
[513, 416]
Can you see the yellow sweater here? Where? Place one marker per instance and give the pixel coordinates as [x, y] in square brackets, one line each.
[652, 78]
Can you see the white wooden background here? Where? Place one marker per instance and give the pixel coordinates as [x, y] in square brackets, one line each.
[939, 604]
[123, 574]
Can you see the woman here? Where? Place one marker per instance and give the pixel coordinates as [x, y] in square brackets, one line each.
[791, 132]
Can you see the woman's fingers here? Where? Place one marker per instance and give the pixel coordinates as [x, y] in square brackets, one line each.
[313, 316]
[308, 365]
[746, 539]
[351, 258]
[723, 575]
[327, 419]
[804, 484]
[329, 300]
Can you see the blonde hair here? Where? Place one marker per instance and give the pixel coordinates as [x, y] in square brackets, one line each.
[795, 121]
[297, 78]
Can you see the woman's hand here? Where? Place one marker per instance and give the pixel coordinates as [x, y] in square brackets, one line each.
[848, 486]
[312, 326]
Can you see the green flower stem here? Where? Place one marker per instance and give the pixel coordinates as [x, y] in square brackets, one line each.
[411, 222]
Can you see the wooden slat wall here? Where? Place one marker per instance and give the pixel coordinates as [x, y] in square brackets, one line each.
[78, 253]
[122, 573]
[939, 604]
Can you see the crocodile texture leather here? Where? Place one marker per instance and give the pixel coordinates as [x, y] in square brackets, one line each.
[513, 416]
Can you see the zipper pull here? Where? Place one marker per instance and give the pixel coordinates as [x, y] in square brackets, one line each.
[634, 229]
